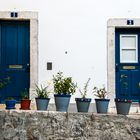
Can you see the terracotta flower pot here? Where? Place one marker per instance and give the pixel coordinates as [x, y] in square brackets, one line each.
[25, 104]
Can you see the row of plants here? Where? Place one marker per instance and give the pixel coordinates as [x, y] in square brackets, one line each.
[64, 87]
[63, 91]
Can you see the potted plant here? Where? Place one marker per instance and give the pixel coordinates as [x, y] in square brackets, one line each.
[83, 102]
[42, 99]
[10, 103]
[101, 101]
[63, 88]
[25, 101]
[123, 106]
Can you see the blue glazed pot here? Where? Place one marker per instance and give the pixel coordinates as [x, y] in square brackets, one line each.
[123, 107]
[42, 103]
[83, 104]
[10, 104]
[62, 102]
[102, 105]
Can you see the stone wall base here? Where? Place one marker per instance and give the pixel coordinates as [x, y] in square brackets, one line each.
[48, 125]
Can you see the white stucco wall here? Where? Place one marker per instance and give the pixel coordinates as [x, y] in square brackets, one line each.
[78, 27]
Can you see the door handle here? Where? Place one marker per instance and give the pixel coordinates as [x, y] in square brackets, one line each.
[139, 85]
[117, 68]
[27, 68]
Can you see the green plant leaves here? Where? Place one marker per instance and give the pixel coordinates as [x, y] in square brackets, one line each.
[63, 85]
[42, 92]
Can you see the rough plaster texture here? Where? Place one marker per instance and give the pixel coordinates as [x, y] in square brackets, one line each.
[43, 125]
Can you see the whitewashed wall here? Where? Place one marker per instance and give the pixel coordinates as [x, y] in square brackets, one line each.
[78, 27]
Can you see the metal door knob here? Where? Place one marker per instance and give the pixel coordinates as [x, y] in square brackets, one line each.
[139, 85]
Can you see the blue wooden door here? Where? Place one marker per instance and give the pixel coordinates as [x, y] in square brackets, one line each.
[127, 61]
[14, 57]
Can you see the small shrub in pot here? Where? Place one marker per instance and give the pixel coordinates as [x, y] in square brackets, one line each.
[63, 88]
[25, 101]
[42, 99]
[10, 103]
[83, 102]
[101, 102]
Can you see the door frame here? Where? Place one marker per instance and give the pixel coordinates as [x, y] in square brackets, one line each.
[111, 25]
[33, 18]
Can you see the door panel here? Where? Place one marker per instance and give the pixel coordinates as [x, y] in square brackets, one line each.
[10, 43]
[135, 79]
[15, 58]
[127, 44]
[123, 84]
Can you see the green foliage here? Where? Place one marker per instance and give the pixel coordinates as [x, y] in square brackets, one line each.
[4, 82]
[10, 98]
[100, 92]
[25, 94]
[63, 85]
[84, 92]
[42, 92]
